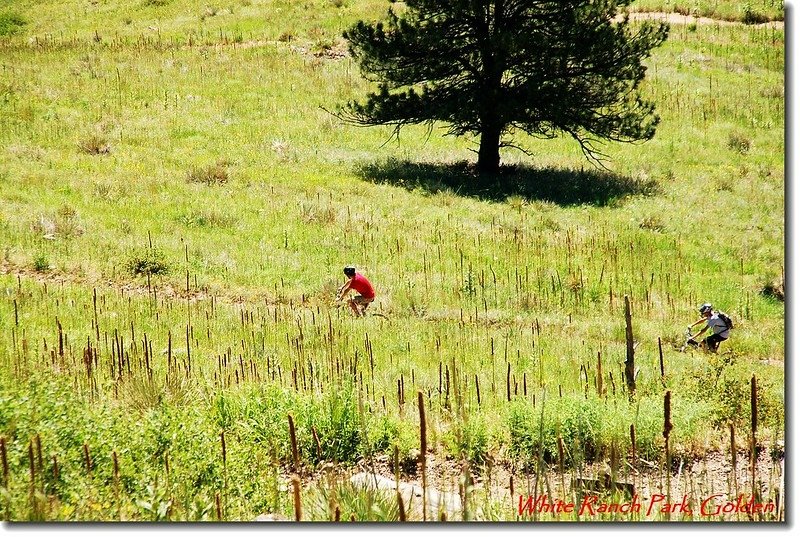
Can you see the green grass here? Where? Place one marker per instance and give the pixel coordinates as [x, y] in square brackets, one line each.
[752, 12]
[188, 178]
[11, 23]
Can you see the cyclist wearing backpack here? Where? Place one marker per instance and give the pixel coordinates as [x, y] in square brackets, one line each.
[719, 323]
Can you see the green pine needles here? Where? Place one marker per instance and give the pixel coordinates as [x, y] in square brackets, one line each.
[491, 68]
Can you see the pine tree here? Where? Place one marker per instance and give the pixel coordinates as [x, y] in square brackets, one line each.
[491, 68]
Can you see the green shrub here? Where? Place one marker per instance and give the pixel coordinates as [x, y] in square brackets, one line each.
[587, 427]
[143, 392]
[150, 261]
[338, 428]
[385, 433]
[652, 223]
[11, 23]
[361, 502]
[469, 440]
[732, 395]
[751, 16]
[206, 219]
[772, 287]
[41, 263]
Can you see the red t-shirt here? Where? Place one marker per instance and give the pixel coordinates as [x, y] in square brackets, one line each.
[362, 286]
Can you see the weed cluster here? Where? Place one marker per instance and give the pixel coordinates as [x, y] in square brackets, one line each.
[739, 142]
[214, 174]
[65, 224]
[94, 144]
[11, 23]
[147, 262]
[41, 263]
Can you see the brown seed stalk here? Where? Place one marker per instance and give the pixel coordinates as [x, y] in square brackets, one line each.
[667, 430]
[87, 458]
[423, 448]
[224, 448]
[55, 468]
[115, 463]
[401, 506]
[298, 508]
[667, 415]
[293, 439]
[753, 429]
[31, 463]
[38, 441]
[4, 460]
[317, 442]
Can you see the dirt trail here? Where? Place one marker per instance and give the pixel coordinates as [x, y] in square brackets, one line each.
[339, 49]
[677, 18]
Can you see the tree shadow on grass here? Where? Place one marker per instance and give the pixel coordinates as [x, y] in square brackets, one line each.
[557, 185]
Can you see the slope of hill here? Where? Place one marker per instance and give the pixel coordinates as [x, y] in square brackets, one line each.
[176, 207]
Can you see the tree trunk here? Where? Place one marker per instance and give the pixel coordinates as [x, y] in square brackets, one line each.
[489, 152]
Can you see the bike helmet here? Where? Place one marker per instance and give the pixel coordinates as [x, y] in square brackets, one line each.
[705, 307]
[350, 270]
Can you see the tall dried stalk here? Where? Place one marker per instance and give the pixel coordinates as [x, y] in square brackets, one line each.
[561, 463]
[32, 468]
[56, 471]
[630, 370]
[317, 443]
[224, 449]
[298, 508]
[38, 443]
[401, 506]
[115, 476]
[423, 449]
[666, 432]
[599, 380]
[4, 461]
[293, 439]
[508, 382]
[753, 429]
[87, 458]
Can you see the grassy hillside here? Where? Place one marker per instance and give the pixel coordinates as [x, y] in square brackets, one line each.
[755, 12]
[176, 206]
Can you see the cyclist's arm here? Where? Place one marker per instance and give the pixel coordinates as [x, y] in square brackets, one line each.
[344, 289]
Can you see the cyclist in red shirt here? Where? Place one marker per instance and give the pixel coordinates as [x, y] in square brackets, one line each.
[358, 283]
